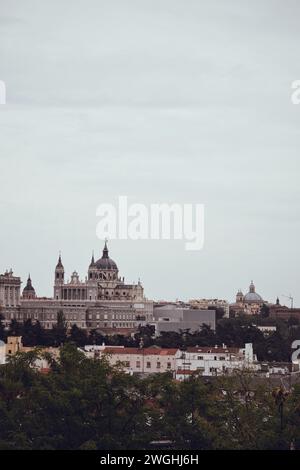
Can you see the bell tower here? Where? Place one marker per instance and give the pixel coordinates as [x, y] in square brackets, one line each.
[59, 278]
[239, 297]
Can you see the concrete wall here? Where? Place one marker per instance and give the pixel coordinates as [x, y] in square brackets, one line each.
[175, 319]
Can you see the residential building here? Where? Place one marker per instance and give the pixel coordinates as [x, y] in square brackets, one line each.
[211, 361]
[283, 312]
[204, 304]
[141, 361]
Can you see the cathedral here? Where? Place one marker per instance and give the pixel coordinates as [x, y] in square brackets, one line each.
[249, 304]
[102, 283]
[103, 301]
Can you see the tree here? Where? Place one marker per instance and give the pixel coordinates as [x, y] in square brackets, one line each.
[265, 311]
[15, 328]
[59, 331]
[78, 336]
[87, 404]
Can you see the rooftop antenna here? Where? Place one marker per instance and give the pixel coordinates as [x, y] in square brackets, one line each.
[290, 298]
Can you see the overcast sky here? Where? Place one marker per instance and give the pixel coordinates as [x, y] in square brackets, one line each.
[162, 101]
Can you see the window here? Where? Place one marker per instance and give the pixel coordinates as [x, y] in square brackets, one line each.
[200, 358]
[158, 365]
[168, 365]
[138, 364]
[148, 365]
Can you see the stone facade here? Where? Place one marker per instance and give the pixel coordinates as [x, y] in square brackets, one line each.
[141, 361]
[249, 304]
[103, 301]
[10, 286]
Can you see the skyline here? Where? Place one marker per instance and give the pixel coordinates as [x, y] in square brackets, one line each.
[284, 299]
[165, 102]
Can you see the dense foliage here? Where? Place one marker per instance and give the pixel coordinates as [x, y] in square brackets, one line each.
[87, 404]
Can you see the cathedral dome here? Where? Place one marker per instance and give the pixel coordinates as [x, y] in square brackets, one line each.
[28, 291]
[252, 296]
[106, 262]
[28, 286]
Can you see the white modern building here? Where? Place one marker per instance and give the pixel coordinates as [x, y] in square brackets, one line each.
[210, 361]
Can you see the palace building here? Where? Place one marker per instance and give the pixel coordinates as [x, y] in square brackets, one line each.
[103, 301]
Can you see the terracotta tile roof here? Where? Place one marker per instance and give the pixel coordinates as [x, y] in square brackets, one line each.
[145, 352]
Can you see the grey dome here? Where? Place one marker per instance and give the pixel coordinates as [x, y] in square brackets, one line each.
[252, 297]
[106, 262]
[28, 286]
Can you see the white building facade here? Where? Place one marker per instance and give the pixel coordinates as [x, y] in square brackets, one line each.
[212, 361]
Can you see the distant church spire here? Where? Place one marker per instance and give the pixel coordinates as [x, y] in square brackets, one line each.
[105, 250]
[59, 263]
[92, 260]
